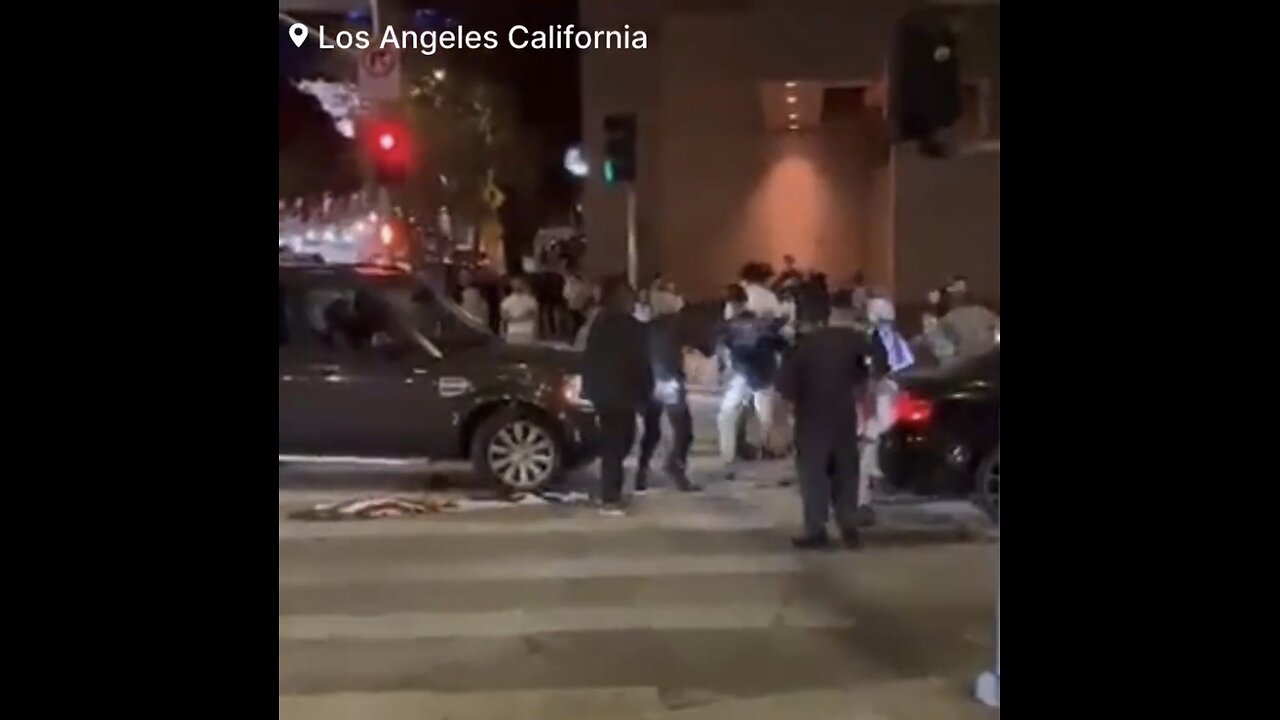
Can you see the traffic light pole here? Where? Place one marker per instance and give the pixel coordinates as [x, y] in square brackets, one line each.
[633, 250]
[383, 193]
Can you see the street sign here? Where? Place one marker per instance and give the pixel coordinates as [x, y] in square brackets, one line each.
[380, 74]
[492, 195]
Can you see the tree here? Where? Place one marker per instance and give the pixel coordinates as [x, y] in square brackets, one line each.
[468, 133]
[314, 157]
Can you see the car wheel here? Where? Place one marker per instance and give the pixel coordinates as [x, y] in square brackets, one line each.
[988, 481]
[518, 450]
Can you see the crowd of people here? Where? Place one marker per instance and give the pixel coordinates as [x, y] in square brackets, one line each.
[815, 367]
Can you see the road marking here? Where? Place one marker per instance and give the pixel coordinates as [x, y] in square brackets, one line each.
[569, 703]
[520, 622]
[354, 460]
[581, 524]
[296, 576]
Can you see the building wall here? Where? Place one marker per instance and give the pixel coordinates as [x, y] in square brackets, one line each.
[947, 222]
[716, 188]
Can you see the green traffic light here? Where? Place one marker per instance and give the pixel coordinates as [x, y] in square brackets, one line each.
[610, 174]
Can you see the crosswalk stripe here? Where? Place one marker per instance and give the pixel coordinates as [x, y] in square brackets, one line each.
[519, 622]
[710, 522]
[550, 569]
[567, 703]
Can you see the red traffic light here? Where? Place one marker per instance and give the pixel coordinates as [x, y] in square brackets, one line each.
[389, 145]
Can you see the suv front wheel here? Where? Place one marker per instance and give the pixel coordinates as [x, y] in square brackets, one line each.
[517, 449]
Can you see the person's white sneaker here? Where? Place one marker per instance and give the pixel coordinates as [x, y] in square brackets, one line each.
[612, 511]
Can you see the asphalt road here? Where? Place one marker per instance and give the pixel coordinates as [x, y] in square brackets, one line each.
[693, 606]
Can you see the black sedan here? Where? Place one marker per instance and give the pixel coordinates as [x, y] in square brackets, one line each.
[945, 440]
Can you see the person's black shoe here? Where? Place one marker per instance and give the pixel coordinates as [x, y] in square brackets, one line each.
[811, 542]
[681, 480]
[642, 480]
[851, 538]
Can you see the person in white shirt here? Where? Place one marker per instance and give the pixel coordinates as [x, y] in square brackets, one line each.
[520, 313]
[473, 301]
[761, 301]
[664, 299]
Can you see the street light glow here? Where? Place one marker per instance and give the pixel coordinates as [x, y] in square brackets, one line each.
[575, 162]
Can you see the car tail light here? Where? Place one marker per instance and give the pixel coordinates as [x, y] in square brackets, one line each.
[911, 410]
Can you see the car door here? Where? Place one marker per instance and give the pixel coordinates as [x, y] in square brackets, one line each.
[304, 360]
[376, 395]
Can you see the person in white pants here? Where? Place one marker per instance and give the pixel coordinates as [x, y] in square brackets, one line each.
[882, 391]
[736, 395]
[753, 344]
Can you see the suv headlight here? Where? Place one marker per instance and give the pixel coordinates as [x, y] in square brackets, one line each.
[571, 391]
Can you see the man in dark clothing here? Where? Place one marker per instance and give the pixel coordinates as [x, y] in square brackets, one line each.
[618, 379]
[669, 397]
[813, 302]
[823, 380]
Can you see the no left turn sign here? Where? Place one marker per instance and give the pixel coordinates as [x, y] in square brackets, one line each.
[380, 74]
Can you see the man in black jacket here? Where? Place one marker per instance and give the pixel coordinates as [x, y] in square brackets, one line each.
[618, 379]
[823, 379]
[668, 396]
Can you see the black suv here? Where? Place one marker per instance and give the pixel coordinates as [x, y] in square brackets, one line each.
[375, 364]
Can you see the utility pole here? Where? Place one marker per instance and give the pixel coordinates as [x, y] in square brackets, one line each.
[633, 250]
[383, 194]
[620, 151]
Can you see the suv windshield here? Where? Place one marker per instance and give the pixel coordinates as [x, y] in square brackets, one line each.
[436, 317]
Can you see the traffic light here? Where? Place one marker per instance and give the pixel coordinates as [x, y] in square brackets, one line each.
[389, 145]
[924, 78]
[619, 148]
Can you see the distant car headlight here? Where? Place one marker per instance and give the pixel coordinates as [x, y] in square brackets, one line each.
[571, 391]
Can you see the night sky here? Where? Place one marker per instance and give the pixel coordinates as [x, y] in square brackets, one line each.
[546, 82]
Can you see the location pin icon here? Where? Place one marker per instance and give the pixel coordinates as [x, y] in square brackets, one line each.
[298, 32]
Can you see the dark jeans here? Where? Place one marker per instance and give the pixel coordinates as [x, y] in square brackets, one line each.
[828, 480]
[681, 424]
[617, 435]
